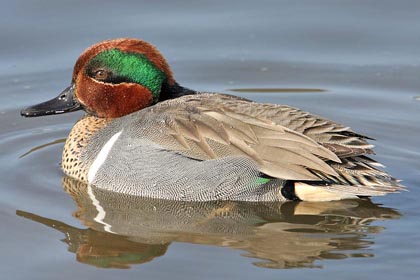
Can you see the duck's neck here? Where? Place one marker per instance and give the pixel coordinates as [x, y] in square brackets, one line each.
[173, 91]
[76, 142]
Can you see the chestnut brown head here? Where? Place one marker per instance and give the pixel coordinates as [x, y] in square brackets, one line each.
[112, 79]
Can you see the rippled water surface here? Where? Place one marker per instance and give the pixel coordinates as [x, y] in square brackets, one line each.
[356, 62]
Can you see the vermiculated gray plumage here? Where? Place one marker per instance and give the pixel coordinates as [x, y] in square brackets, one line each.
[215, 147]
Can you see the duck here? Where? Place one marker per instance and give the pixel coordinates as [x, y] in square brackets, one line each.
[144, 134]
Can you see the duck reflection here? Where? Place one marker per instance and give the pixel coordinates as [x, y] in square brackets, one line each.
[125, 230]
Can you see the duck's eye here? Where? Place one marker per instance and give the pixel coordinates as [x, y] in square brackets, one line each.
[101, 75]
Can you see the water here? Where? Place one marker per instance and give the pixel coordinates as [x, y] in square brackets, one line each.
[356, 62]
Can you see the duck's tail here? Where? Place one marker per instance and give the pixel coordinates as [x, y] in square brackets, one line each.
[357, 177]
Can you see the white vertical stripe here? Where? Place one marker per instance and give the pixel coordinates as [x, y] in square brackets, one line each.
[101, 157]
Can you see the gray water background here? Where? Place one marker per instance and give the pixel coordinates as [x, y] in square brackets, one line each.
[364, 55]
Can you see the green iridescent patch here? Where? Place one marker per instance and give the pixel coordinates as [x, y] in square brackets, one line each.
[134, 67]
[261, 181]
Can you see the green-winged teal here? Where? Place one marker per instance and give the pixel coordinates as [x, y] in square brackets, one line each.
[144, 134]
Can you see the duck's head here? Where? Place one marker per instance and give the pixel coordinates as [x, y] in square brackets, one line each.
[111, 79]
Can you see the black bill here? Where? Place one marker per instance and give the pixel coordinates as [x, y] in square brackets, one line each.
[63, 103]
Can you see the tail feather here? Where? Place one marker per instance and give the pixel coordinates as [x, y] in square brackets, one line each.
[357, 176]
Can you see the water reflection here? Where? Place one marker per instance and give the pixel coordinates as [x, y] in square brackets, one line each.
[125, 230]
[39, 147]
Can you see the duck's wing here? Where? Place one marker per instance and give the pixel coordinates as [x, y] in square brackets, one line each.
[206, 126]
[356, 174]
[338, 138]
